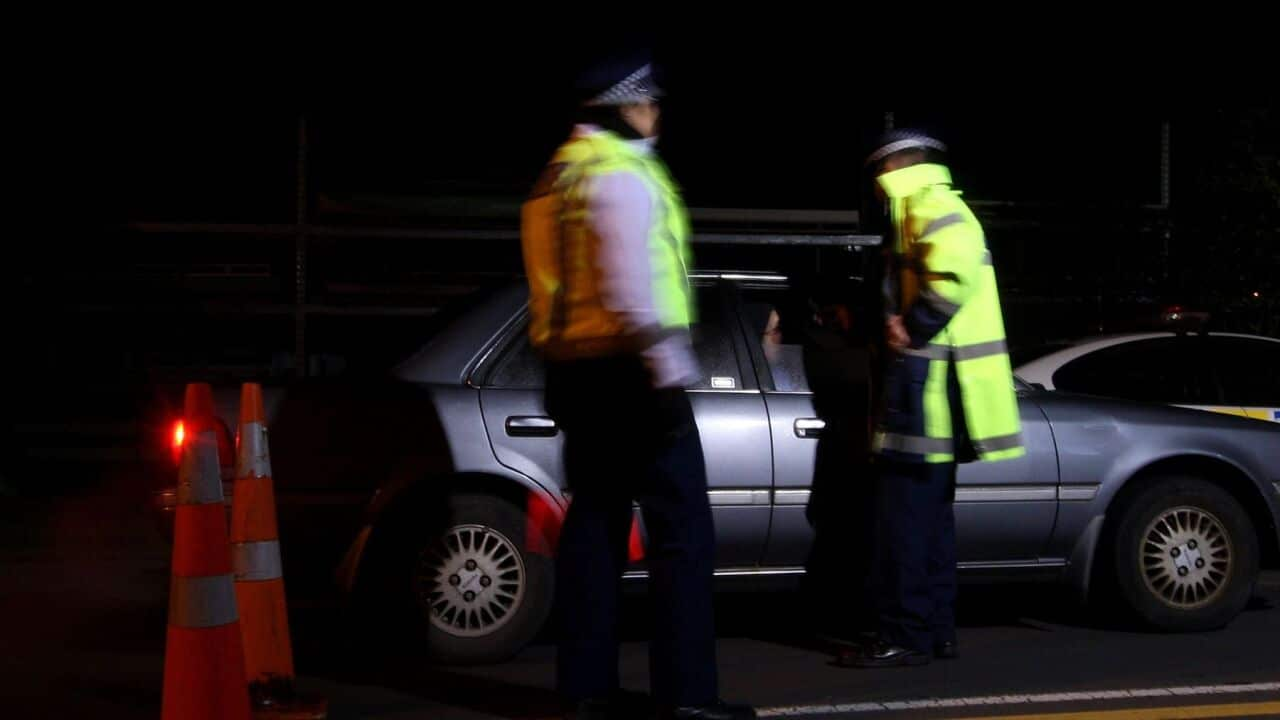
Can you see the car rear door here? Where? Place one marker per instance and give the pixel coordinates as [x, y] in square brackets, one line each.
[726, 403]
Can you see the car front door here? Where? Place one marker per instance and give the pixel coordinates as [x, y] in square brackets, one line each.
[1005, 511]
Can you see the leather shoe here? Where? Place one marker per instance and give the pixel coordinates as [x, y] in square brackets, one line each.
[948, 650]
[882, 654]
[718, 710]
[854, 640]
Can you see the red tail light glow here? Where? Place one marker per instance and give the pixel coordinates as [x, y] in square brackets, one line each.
[179, 437]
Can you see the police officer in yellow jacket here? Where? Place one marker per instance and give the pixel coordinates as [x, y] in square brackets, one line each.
[606, 248]
[948, 396]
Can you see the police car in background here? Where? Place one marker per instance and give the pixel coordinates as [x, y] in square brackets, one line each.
[1220, 372]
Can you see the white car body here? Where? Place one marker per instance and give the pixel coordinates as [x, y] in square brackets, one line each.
[1044, 371]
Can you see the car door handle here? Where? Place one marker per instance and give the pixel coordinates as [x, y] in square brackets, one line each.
[531, 426]
[809, 428]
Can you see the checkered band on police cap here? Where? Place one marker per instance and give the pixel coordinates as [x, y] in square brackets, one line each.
[904, 139]
[639, 86]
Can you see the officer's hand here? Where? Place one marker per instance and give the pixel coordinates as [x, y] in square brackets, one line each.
[896, 333]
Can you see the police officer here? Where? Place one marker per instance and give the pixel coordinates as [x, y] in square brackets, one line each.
[948, 396]
[606, 249]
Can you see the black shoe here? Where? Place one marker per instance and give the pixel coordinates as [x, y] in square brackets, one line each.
[882, 654]
[718, 710]
[855, 640]
[948, 650]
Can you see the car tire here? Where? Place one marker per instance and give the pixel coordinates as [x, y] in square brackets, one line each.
[1185, 555]
[465, 583]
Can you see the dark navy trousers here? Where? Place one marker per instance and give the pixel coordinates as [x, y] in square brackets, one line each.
[626, 442]
[917, 554]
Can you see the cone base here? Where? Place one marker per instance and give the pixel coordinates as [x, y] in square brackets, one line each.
[204, 674]
[264, 622]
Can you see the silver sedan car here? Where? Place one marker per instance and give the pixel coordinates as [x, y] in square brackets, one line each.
[437, 496]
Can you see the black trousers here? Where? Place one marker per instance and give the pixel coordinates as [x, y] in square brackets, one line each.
[917, 554]
[626, 442]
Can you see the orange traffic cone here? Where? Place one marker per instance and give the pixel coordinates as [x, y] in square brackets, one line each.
[259, 581]
[204, 657]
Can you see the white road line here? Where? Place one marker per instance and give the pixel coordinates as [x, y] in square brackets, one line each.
[865, 707]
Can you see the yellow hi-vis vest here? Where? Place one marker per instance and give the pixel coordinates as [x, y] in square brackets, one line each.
[947, 294]
[568, 318]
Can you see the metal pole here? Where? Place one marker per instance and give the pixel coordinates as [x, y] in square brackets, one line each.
[1165, 192]
[1164, 165]
[300, 257]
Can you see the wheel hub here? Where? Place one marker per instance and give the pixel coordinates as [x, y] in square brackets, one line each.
[1186, 557]
[471, 581]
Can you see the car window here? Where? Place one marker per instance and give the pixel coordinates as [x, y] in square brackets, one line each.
[780, 341]
[713, 343]
[1166, 370]
[1248, 369]
[805, 345]
[518, 366]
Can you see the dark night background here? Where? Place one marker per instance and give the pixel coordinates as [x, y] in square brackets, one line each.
[187, 210]
[187, 267]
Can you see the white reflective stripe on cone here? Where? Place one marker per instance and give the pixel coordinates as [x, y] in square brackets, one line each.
[200, 478]
[202, 602]
[253, 457]
[255, 561]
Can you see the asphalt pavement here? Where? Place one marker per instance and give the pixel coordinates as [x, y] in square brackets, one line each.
[83, 602]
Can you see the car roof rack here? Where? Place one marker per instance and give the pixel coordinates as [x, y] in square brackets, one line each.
[816, 239]
[809, 239]
[747, 275]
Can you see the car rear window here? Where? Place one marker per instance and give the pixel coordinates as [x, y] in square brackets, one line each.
[518, 366]
[1166, 370]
